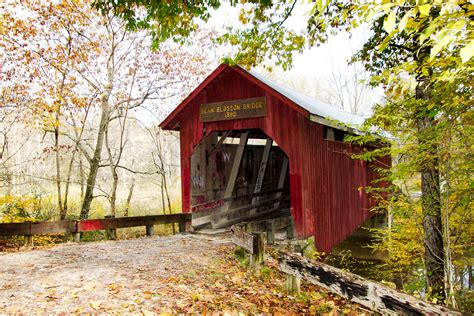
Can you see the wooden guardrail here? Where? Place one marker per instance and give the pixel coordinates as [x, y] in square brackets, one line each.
[374, 295]
[76, 227]
[253, 243]
[250, 236]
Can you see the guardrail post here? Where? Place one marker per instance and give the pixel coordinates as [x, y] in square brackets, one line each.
[28, 241]
[270, 225]
[181, 227]
[293, 284]
[290, 229]
[150, 230]
[256, 259]
[111, 232]
[77, 237]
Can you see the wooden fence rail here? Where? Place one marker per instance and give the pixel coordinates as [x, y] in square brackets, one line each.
[253, 243]
[374, 295]
[76, 227]
[371, 294]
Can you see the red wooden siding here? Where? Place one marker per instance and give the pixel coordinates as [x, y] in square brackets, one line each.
[324, 181]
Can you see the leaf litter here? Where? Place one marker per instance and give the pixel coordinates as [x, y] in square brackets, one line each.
[185, 273]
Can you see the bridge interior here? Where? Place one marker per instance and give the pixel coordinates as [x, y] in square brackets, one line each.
[238, 176]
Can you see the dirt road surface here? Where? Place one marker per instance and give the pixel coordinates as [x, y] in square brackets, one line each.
[174, 274]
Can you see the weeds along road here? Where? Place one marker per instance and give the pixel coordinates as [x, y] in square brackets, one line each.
[173, 274]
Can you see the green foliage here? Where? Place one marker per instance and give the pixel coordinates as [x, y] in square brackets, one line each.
[98, 209]
[403, 242]
[93, 236]
[435, 25]
[465, 299]
[241, 256]
[415, 52]
[165, 19]
[32, 208]
[398, 27]
[263, 36]
[265, 273]
[308, 249]
[343, 260]
[323, 308]
[50, 239]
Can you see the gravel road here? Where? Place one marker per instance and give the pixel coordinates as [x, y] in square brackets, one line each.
[184, 273]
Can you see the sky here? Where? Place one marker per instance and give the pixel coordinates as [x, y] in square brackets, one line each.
[322, 59]
[316, 63]
[313, 70]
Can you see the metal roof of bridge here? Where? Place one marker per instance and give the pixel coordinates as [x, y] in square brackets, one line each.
[313, 106]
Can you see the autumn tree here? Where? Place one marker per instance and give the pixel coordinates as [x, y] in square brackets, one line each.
[406, 55]
[90, 74]
[10, 113]
[349, 89]
[42, 48]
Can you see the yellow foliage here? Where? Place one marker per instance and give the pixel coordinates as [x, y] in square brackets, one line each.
[17, 209]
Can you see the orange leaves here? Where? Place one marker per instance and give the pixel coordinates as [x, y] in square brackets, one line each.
[79, 102]
[230, 288]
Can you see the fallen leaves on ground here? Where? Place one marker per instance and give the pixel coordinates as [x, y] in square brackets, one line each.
[175, 274]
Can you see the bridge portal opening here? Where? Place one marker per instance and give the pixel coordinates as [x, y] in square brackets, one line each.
[236, 176]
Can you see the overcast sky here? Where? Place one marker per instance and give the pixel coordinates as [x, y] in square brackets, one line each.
[315, 63]
[334, 53]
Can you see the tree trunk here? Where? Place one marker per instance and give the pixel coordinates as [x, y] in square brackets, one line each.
[67, 185]
[129, 198]
[113, 195]
[163, 200]
[431, 199]
[470, 283]
[62, 214]
[8, 177]
[165, 185]
[95, 161]
[104, 122]
[113, 171]
[81, 177]
[448, 262]
[62, 211]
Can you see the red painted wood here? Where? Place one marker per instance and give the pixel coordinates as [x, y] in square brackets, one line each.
[326, 199]
[90, 225]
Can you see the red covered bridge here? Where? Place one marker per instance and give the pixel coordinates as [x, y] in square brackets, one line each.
[251, 148]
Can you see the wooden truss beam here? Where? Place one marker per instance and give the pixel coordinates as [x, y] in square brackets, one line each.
[236, 165]
[219, 143]
[262, 169]
[281, 180]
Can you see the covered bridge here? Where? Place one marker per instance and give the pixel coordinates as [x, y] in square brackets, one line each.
[252, 148]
